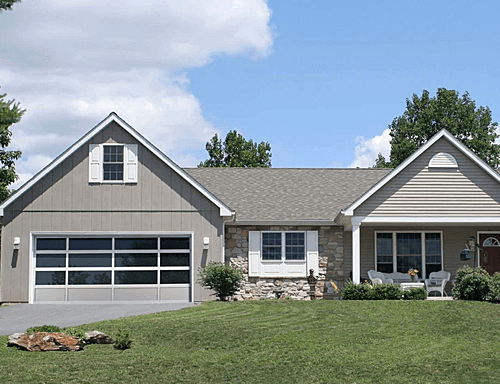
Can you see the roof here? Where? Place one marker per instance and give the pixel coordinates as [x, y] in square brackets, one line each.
[287, 194]
[113, 117]
[442, 133]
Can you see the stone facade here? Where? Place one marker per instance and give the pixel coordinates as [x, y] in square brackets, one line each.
[331, 259]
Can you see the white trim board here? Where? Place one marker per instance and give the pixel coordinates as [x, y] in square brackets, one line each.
[113, 117]
[426, 220]
[442, 133]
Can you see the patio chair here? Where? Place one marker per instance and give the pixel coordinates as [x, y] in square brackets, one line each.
[378, 277]
[437, 282]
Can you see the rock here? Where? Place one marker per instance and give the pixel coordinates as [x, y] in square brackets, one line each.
[45, 341]
[96, 337]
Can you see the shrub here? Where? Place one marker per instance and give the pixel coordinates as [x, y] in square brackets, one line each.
[494, 295]
[222, 278]
[75, 332]
[354, 291]
[472, 284]
[122, 340]
[415, 294]
[385, 292]
[45, 328]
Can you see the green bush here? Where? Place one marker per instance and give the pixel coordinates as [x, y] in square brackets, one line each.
[45, 328]
[222, 278]
[122, 340]
[385, 292]
[354, 291]
[415, 294]
[75, 332]
[472, 284]
[494, 295]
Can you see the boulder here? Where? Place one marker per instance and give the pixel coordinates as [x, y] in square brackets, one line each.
[96, 337]
[45, 341]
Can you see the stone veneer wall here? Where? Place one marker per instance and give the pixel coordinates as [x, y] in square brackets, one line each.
[331, 259]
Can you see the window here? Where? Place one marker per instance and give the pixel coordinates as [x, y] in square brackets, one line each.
[491, 242]
[113, 162]
[283, 254]
[401, 251]
[110, 163]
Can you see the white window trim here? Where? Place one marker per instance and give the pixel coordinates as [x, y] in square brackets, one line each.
[257, 266]
[130, 164]
[394, 248]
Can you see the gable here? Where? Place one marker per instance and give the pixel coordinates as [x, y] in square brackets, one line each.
[73, 164]
[424, 189]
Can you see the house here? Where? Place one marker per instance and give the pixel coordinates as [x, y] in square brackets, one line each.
[114, 219]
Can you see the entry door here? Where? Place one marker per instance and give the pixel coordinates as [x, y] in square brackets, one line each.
[490, 256]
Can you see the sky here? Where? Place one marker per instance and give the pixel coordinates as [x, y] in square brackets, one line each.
[320, 80]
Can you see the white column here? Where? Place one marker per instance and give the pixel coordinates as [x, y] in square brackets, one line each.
[355, 254]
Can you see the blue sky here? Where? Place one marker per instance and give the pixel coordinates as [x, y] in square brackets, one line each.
[339, 70]
[319, 80]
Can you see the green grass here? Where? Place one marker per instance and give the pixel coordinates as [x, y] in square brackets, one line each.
[283, 342]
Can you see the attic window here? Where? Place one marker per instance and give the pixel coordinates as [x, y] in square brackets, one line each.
[443, 160]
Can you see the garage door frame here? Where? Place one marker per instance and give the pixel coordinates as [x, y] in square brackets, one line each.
[113, 234]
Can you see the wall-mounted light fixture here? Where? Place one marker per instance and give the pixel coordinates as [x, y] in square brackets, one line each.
[472, 244]
[17, 241]
[206, 242]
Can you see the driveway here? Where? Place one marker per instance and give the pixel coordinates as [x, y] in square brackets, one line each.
[19, 317]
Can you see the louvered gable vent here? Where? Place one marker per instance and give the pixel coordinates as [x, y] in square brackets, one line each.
[443, 160]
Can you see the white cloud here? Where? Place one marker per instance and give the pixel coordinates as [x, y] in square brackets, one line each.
[367, 150]
[70, 63]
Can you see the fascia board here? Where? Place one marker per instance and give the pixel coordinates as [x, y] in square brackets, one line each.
[452, 139]
[224, 209]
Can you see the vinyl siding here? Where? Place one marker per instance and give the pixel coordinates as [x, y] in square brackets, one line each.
[422, 191]
[454, 239]
[64, 201]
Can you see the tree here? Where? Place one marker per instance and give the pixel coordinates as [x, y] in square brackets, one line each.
[425, 116]
[235, 151]
[7, 4]
[10, 113]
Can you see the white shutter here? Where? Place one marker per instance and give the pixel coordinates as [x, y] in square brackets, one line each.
[312, 252]
[254, 246]
[130, 163]
[95, 165]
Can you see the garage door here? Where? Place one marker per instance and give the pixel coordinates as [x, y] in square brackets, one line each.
[112, 268]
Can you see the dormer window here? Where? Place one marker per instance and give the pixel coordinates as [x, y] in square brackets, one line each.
[113, 163]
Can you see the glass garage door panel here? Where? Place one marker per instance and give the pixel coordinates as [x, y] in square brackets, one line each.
[109, 267]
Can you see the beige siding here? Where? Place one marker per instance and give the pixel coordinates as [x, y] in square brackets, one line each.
[422, 191]
[64, 201]
[454, 239]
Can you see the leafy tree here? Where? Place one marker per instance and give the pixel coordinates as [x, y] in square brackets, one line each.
[7, 4]
[235, 151]
[10, 113]
[425, 116]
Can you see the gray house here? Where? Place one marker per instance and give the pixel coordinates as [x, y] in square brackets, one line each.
[114, 219]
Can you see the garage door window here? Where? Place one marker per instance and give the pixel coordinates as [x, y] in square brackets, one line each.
[105, 261]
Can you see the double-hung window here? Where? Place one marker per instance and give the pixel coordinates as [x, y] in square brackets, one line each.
[401, 251]
[113, 163]
[283, 253]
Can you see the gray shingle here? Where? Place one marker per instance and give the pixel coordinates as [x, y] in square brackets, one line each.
[286, 194]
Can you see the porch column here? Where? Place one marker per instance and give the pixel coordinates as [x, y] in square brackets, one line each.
[355, 254]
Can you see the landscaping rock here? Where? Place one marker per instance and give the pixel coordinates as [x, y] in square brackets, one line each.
[45, 341]
[96, 337]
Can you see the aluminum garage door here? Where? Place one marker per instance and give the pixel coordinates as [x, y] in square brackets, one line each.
[112, 268]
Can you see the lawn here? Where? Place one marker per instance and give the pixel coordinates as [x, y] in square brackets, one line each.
[284, 342]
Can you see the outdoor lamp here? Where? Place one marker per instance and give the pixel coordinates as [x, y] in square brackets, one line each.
[206, 242]
[17, 241]
[472, 243]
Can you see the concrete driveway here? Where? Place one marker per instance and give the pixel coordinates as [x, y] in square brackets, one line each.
[19, 317]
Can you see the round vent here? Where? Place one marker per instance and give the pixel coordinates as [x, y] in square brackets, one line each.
[443, 160]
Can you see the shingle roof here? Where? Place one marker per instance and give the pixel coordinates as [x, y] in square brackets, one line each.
[287, 194]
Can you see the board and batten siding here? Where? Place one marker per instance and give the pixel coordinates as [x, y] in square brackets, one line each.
[422, 191]
[65, 201]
